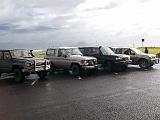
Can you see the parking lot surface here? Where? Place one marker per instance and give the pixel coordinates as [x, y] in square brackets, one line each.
[130, 95]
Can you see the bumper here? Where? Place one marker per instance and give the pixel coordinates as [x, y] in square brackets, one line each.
[154, 61]
[89, 67]
[36, 69]
[123, 62]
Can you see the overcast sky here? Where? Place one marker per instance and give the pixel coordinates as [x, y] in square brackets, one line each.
[47, 23]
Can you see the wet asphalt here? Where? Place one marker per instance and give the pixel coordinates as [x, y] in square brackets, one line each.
[131, 95]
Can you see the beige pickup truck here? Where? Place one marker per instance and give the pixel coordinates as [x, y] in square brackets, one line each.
[138, 58]
[70, 58]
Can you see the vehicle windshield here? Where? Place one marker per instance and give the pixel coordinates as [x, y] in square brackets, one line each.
[75, 51]
[21, 53]
[137, 51]
[106, 51]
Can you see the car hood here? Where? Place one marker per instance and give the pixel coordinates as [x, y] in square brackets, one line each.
[150, 55]
[80, 57]
[30, 59]
[123, 55]
[120, 55]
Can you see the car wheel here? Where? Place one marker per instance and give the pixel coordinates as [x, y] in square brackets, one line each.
[42, 75]
[76, 70]
[124, 67]
[143, 63]
[93, 71]
[108, 66]
[26, 74]
[52, 68]
[18, 76]
[151, 65]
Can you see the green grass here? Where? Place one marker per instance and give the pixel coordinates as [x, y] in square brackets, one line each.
[151, 50]
[39, 55]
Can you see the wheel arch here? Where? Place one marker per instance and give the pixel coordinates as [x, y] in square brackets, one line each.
[15, 67]
[74, 64]
[141, 59]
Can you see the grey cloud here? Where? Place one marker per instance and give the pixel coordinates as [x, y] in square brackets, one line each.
[7, 27]
[143, 1]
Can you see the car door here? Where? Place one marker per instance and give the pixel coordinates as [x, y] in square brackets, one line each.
[59, 60]
[6, 62]
[97, 54]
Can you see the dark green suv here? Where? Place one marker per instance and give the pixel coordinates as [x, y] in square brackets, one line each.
[21, 63]
[106, 58]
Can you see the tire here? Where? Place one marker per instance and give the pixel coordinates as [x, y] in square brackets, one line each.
[143, 63]
[18, 76]
[26, 74]
[124, 67]
[151, 65]
[93, 71]
[52, 69]
[76, 70]
[107, 66]
[42, 74]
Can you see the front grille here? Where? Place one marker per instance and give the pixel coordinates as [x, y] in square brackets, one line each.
[91, 62]
[125, 58]
[40, 64]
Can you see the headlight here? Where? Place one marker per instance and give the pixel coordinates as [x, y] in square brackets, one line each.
[95, 61]
[28, 64]
[152, 57]
[84, 62]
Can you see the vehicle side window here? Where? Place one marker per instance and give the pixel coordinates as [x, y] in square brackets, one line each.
[127, 52]
[7, 56]
[61, 52]
[1, 55]
[132, 52]
[51, 52]
[118, 51]
[82, 50]
[88, 50]
[95, 51]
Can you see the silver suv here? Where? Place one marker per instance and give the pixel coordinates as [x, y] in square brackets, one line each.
[138, 57]
[70, 58]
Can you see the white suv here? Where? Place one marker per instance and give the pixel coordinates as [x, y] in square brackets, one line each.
[70, 58]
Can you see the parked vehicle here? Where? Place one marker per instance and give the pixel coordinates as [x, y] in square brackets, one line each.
[70, 58]
[106, 58]
[138, 58]
[21, 64]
